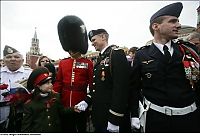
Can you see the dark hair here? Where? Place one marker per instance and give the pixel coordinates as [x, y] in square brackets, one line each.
[40, 58]
[158, 20]
[132, 49]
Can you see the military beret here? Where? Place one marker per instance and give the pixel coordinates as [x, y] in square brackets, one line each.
[96, 32]
[73, 34]
[38, 76]
[9, 50]
[173, 9]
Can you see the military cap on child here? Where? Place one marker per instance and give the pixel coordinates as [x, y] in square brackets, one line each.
[73, 34]
[38, 76]
[173, 9]
[9, 50]
[96, 32]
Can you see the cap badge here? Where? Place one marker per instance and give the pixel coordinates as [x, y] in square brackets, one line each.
[9, 50]
[83, 28]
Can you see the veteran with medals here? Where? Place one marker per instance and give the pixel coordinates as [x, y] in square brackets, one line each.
[110, 95]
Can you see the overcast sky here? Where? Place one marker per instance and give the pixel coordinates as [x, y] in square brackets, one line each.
[127, 22]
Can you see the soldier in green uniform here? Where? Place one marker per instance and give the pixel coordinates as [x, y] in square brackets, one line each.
[44, 111]
[110, 95]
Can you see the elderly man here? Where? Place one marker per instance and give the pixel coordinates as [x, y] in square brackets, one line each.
[167, 73]
[12, 72]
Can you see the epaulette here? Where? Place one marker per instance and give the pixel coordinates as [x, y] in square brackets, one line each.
[184, 42]
[114, 46]
[118, 48]
[143, 47]
[188, 44]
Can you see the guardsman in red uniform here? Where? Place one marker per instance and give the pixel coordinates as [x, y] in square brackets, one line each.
[75, 73]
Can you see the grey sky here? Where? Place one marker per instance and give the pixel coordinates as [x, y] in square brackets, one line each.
[126, 21]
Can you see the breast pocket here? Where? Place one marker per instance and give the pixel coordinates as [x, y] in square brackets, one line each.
[149, 69]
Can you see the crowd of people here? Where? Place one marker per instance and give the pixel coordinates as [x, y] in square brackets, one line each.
[154, 88]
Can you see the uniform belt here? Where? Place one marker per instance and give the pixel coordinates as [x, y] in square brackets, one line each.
[171, 110]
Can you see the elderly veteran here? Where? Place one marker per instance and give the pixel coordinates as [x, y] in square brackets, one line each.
[12, 72]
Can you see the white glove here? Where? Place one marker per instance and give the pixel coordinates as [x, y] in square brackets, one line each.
[135, 123]
[82, 106]
[112, 128]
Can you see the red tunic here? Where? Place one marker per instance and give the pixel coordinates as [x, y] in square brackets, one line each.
[72, 80]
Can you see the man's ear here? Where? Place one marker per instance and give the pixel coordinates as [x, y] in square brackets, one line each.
[155, 26]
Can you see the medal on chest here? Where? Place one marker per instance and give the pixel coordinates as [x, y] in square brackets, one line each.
[103, 74]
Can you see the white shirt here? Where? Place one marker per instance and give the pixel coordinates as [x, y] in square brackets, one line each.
[104, 49]
[9, 77]
[168, 44]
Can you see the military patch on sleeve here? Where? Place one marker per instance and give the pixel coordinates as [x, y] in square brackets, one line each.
[81, 65]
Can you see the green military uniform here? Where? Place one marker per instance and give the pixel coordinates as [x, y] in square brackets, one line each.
[44, 111]
[43, 114]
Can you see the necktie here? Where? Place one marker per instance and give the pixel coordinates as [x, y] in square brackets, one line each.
[99, 57]
[167, 53]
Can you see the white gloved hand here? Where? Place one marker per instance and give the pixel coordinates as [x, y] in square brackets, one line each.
[135, 123]
[112, 128]
[82, 106]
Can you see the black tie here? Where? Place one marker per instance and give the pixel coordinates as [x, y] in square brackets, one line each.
[99, 57]
[167, 53]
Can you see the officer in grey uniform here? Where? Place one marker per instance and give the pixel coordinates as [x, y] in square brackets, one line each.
[110, 95]
[167, 72]
[12, 72]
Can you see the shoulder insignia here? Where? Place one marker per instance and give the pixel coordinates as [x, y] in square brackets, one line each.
[116, 49]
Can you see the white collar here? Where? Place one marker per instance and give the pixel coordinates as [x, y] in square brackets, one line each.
[104, 49]
[5, 69]
[168, 44]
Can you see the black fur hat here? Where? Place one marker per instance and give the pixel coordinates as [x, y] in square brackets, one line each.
[73, 34]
